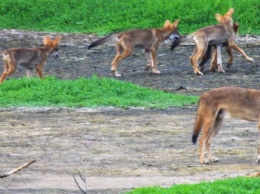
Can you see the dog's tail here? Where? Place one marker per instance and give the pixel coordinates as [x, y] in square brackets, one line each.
[102, 41]
[198, 124]
[176, 43]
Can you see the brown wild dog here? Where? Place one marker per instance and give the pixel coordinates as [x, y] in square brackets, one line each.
[29, 58]
[213, 35]
[213, 64]
[217, 103]
[147, 39]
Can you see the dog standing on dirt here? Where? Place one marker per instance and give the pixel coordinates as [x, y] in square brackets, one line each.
[29, 58]
[213, 64]
[213, 35]
[147, 39]
[217, 103]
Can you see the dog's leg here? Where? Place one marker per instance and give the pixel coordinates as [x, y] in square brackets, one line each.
[127, 51]
[154, 65]
[213, 63]
[231, 57]
[201, 46]
[258, 159]
[219, 58]
[28, 73]
[217, 125]
[9, 69]
[207, 127]
[241, 51]
[148, 57]
[39, 71]
[205, 58]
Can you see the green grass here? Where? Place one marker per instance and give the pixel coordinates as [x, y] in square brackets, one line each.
[106, 16]
[239, 185]
[91, 92]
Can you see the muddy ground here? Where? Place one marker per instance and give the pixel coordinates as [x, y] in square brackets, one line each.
[118, 150]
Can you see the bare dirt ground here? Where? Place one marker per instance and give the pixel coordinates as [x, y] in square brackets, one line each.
[118, 150]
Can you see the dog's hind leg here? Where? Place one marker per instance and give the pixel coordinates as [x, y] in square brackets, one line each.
[231, 57]
[242, 52]
[219, 58]
[205, 58]
[258, 159]
[127, 51]
[196, 56]
[28, 73]
[217, 125]
[9, 68]
[148, 57]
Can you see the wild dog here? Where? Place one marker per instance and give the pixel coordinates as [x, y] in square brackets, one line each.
[217, 103]
[29, 58]
[213, 35]
[213, 64]
[147, 39]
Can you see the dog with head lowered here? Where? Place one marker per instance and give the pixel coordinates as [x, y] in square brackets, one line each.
[29, 58]
[217, 103]
[147, 39]
[213, 35]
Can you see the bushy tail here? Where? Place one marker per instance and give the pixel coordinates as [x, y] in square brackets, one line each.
[101, 41]
[176, 43]
[198, 125]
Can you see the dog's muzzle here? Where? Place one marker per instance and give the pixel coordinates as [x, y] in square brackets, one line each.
[56, 54]
[174, 37]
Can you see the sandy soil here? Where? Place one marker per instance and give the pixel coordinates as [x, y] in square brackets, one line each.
[118, 150]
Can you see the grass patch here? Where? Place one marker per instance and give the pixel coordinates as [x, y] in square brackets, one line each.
[239, 185]
[86, 92]
[106, 16]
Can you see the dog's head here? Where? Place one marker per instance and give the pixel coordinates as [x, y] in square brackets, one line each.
[53, 44]
[227, 18]
[47, 41]
[170, 26]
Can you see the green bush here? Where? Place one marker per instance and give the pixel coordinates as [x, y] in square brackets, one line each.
[91, 92]
[106, 16]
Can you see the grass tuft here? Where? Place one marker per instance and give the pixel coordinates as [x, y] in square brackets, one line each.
[86, 92]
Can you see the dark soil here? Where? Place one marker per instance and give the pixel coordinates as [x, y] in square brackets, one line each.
[118, 150]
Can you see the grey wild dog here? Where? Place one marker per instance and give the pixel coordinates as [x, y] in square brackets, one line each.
[213, 35]
[29, 58]
[213, 65]
[147, 39]
[217, 103]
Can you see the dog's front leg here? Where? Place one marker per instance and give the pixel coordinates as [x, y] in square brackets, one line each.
[148, 57]
[241, 51]
[28, 73]
[153, 53]
[219, 58]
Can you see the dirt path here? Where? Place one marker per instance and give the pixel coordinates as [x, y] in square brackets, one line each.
[117, 149]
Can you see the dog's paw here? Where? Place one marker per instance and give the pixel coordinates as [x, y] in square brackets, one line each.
[115, 74]
[199, 73]
[214, 159]
[250, 59]
[156, 72]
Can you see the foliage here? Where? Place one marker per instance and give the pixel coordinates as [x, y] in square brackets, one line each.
[239, 185]
[91, 92]
[106, 16]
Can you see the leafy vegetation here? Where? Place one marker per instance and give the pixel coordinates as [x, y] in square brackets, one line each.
[91, 92]
[106, 16]
[239, 185]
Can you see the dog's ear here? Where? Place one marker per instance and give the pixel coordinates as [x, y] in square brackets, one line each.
[47, 40]
[230, 12]
[219, 17]
[175, 24]
[56, 41]
[167, 23]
